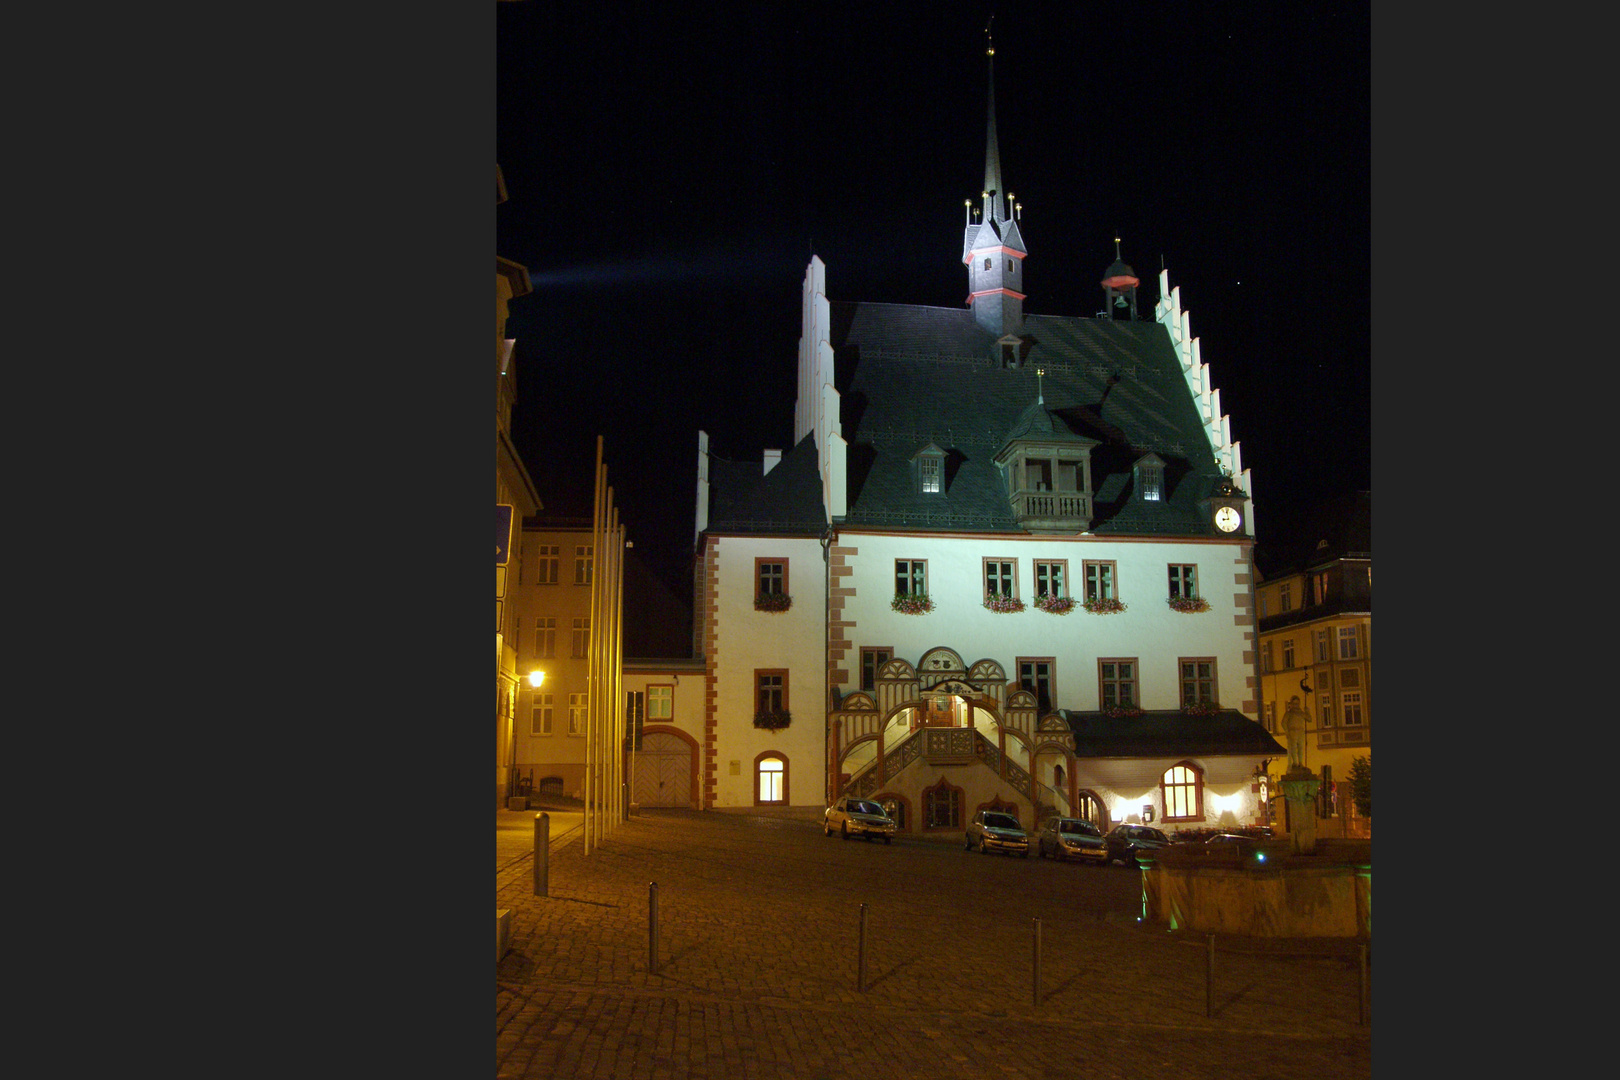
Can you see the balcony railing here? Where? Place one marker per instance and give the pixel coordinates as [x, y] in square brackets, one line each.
[1055, 509]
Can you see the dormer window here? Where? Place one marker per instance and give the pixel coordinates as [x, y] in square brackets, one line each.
[1150, 478]
[930, 469]
[987, 263]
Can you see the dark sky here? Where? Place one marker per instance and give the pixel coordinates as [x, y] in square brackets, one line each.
[671, 171]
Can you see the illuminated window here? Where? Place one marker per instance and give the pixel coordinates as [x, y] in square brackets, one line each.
[660, 703]
[771, 773]
[931, 467]
[1183, 580]
[1150, 478]
[1117, 679]
[1183, 789]
[1197, 680]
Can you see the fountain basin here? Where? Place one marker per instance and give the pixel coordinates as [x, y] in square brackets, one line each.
[1261, 890]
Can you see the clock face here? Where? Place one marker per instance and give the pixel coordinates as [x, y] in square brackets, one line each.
[1227, 519]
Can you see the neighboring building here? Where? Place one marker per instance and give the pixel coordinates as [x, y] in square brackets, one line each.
[664, 708]
[878, 608]
[1315, 611]
[514, 490]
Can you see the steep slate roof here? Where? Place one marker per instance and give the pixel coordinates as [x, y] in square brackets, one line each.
[1169, 734]
[785, 500]
[909, 374]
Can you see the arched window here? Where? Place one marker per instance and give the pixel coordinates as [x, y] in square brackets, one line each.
[1183, 789]
[942, 807]
[770, 779]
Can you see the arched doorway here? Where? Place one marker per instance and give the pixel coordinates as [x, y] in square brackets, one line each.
[1090, 806]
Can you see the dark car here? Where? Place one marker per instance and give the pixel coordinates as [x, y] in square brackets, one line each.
[996, 830]
[850, 816]
[1124, 841]
[1063, 838]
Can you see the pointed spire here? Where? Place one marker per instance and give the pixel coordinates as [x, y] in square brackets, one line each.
[992, 155]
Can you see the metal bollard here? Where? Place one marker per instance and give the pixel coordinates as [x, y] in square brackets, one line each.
[860, 954]
[652, 927]
[1361, 996]
[1036, 983]
[542, 854]
[1209, 980]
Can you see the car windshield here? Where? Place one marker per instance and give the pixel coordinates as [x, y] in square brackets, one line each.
[1000, 821]
[866, 808]
[1084, 828]
[1151, 834]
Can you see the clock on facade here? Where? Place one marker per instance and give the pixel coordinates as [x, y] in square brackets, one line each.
[1227, 519]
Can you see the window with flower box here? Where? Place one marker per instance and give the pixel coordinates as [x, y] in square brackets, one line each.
[1100, 580]
[911, 577]
[1184, 580]
[1116, 678]
[1197, 680]
[771, 691]
[999, 578]
[1052, 578]
[771, 585]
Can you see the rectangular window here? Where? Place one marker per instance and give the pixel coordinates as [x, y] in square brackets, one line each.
[1326, 707]
[1184, 580]
[1323, 645]
[1285, 596]
[1265, 657]
[872, 661]
[771, 577]
[635, 716]
[1152, 481]
[661, 703]
[1288, 653]
[539, 714]
[545, 638]
[1100, 581]
[1117, 679]
[1347, 643]
[771, 690]
[1319, 588]
[1350, 701]
[1035, 675]
[550, 555]
[1271, 717]
[577, 704]
[583, 557]
[582, 638]
[998, 578]
[1197, 680]
[930, 466]
[1052, 578]
[911, 576]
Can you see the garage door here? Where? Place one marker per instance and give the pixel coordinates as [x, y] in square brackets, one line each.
[663, 771]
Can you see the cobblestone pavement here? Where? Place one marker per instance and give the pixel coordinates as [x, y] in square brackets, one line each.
[759, 932]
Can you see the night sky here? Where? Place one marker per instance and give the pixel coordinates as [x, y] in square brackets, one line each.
[670, 172]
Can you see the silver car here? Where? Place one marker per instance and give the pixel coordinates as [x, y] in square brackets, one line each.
[997, 830]
[1073, 838]
[851, 816]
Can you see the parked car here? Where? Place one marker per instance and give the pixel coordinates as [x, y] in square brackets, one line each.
[851, 816]
[1124, 841]
[1063, 838]
[996, 830]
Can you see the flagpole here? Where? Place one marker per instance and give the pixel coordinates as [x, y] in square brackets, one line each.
[591, 652]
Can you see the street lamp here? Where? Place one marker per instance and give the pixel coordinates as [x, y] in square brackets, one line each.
[536, 677]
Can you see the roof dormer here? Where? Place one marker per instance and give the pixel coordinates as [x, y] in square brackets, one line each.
[1149, 474]
[928, 470]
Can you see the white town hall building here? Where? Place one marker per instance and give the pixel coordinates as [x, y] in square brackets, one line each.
[1006, 562]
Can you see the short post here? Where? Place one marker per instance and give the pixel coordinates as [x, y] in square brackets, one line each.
[1361, 996]
[652, 927]
[860, 954]
[1036, 982]
[542, 854]
[1209, 980]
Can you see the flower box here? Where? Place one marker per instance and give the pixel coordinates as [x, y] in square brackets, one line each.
[773, 720]
[1121, 709]
[1188, 604]
[1200, 708]
[772, 602]
[1005, 604]
[1055, 605]
[1104, 605]
[912, 603]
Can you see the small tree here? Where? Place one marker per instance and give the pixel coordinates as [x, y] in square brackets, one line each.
[1361, 785]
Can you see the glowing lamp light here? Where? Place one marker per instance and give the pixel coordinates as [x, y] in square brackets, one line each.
[536, 677]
